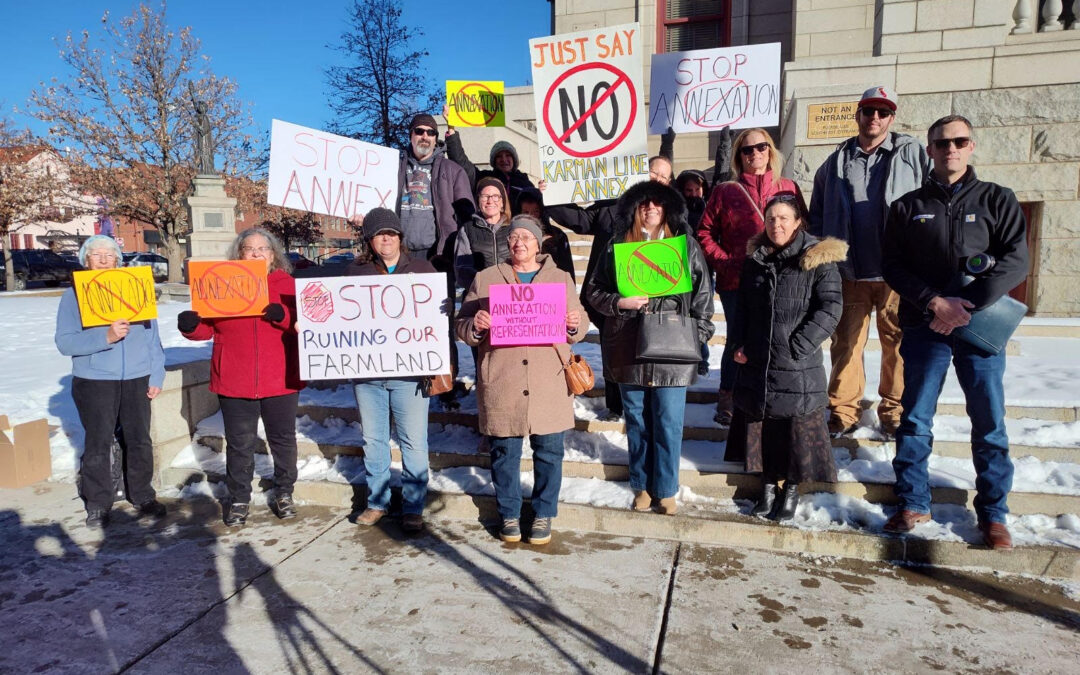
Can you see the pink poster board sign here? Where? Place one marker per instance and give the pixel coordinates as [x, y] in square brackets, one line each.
[527, 314]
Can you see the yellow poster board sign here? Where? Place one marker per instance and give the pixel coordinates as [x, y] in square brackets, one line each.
[831, 120]
[106, 296]
[475, 104]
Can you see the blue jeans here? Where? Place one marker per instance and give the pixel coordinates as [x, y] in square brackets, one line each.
[654, 427]
[547, 473]
[926, 356]
[728, 299]
[377, 400]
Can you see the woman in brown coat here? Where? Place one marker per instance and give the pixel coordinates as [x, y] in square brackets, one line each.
[521, 390]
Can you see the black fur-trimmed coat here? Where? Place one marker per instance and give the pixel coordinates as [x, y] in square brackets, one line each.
[620, 327]
[789, 303]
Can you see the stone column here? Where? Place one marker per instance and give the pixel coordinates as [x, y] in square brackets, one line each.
[213, 218]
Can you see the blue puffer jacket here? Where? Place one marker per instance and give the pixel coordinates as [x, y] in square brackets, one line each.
[93, 358]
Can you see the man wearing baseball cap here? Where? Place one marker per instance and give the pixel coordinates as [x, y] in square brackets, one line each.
[853, 190]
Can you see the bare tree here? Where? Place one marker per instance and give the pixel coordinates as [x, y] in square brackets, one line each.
[125, 111]
[383, 83]
[294, 228]
[28, 190]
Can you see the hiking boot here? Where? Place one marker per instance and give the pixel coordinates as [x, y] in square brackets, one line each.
[412, 523]
[905, 521]
[98, 518]
[784, 508]
[153, 509]
[237, 515]
[837, 428]
[667, 506]
[764, 505]
[369, 517]
[284, 506]
[724, 408]
[888, 429]
[511, 530]
[996, 536]
[541, 531]
[642, 501]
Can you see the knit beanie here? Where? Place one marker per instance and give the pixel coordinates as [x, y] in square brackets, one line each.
[380, 220]
[423, 119]
[501, 146]
[527, 222]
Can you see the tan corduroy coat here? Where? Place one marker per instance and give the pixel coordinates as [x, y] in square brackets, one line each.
[520, 390]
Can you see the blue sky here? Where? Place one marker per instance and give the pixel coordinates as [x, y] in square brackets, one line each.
[276, 51]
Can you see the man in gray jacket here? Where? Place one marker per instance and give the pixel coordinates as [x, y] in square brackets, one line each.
[853, 190]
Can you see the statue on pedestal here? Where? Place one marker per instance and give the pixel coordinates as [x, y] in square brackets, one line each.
[204, 145]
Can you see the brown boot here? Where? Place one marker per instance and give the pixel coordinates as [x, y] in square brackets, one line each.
[369, 517]
[668, 507]
[642, 501]
[996, 536]
[905, 521]
[724, 407]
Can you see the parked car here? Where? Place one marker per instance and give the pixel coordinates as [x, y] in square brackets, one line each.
[299, 262]
[37, 265]
[335, 265]
[158, 263]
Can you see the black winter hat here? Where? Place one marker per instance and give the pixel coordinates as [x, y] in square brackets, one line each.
[673, 202]
[423, 119]
[379, 220]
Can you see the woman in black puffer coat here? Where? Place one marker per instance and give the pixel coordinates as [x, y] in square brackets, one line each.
[790, 302]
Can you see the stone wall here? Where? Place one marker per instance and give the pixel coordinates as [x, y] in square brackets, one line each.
[831, 27]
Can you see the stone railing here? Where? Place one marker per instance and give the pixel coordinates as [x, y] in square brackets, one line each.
[1052, 15]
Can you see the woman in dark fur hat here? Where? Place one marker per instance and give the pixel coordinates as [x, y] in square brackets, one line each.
[789, 298]
[653, 392]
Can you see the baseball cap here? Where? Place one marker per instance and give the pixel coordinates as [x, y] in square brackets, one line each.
[879, 96]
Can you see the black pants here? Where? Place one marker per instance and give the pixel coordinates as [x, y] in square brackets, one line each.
[101, 403]
[241, 416]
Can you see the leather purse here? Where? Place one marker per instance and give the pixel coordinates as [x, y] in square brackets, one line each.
[668, 336]
[438, 384]
[579, 374]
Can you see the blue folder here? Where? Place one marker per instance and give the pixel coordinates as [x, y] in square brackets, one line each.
[991, 327]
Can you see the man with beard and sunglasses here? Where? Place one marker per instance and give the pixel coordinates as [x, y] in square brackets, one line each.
[853, 189]
[952, 248]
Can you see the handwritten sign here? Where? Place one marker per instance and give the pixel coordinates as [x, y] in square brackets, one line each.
[106, 296]
[386, 326]
[652, 268]
[312, 170]
[831, 120]
[222, 288]
[590, 113]
[708, 89]
[527, 314]
[475, 104]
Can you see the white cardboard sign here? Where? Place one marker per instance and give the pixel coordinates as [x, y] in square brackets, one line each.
[708, 89]
[376, 326]
[313, 170]
[590, 113]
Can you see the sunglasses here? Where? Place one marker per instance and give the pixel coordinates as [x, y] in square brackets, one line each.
[944, 143]
[646, 203]
[882, 113]
[422, 131]
[749, 150]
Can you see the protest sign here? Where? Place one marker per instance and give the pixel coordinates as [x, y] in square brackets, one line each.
[590, 113]
[106, 296]
[475, 104]
[527, 314]
[652, 268]
[708, 89]
[385, 326]
[312, 170]
[222, 288]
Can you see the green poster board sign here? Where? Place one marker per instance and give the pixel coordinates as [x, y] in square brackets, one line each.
[652, 268]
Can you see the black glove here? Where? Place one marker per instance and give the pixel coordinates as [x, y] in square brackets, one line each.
[188, 321]
[274, 312]
[695, 208]
[667, 144]
[722, 163]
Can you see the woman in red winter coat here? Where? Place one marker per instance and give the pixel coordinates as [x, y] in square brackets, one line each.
[733, 216]
[255, 373]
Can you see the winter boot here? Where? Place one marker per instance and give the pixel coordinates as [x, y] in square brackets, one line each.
[784, 508]
[724, 407]
[765, 505]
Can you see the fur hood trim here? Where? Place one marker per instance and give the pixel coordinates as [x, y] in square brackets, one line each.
[816, 252]
[674, 206]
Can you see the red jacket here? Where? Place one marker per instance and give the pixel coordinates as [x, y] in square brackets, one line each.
[731, 220]
[253, 357]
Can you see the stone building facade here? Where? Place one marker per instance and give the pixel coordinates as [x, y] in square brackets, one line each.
[1010, 66]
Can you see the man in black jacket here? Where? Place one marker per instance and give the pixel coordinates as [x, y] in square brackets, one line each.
[932, 236]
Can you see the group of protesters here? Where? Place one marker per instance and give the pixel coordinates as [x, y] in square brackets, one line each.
[891, 225]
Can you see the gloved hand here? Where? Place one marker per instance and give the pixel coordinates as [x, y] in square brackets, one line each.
[722, 163]
[667, 144]
[274, 312]
[188, 321]
[695, 209]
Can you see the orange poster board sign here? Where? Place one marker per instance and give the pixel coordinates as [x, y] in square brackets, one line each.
[221, 288]
[106, 296]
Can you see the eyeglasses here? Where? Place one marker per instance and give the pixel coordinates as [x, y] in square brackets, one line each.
[646, 203]
[255, 249]
[524, 238]
[944, 143]
[749, 150]
[102, 256]
[491, 198]
[788, 198]
[882, 113]
[424, 131]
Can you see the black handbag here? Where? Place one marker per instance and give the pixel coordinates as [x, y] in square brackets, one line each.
[668, 336]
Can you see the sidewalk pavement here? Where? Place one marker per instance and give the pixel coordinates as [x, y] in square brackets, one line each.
[319, 594]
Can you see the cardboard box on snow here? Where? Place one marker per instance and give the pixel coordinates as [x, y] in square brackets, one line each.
[24, 453]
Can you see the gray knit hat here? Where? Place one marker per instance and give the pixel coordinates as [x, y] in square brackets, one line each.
[380, 220]
[501, 146]
[526, 222]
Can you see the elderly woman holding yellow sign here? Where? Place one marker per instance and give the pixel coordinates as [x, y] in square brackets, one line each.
[521, 390]
[116, 370]
[652, 344]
